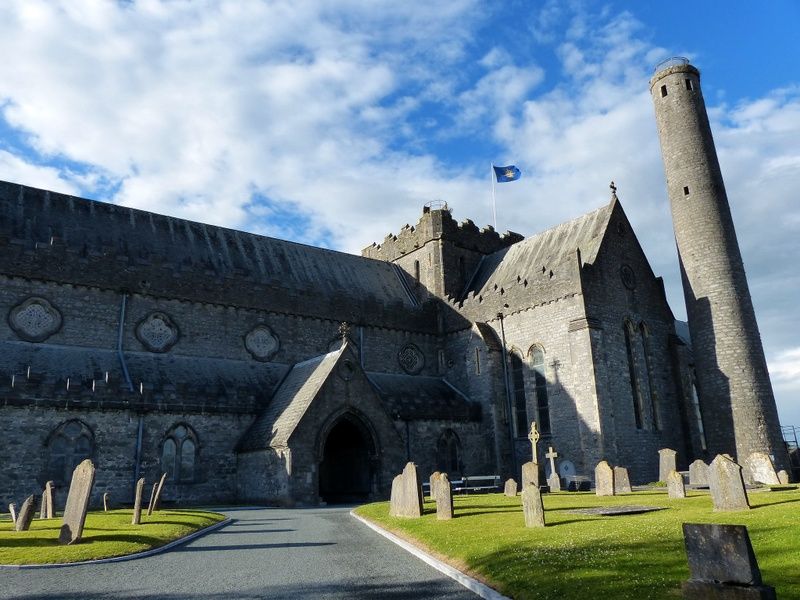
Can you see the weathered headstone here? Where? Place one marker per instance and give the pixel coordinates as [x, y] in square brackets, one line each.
[532, 506]
[783, 477]
[698, 473]
[603, 479]
[12, 509]
[137, 503]
[758, 468]
[444, 498]
[726, 485]
[722, 564]
[432, 481]
[675, 487]
[553, 482]
[406, 500]
[152, 499]
[622, 483]
[510, 488]
[530, 474]
[160, 488]
[80, 489]
[23, 522]
[47, 510]
[666, 463]
[105, 501]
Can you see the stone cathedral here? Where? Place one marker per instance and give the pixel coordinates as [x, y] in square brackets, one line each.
[252, 369]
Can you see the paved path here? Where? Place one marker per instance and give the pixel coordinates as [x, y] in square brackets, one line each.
[264, 553]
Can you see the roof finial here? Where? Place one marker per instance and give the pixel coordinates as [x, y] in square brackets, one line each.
[344, 330]
[613, 191]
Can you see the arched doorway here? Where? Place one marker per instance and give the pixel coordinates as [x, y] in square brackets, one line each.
[345, 472]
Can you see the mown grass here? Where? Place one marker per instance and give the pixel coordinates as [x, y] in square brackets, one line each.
[579, 556]
[105, 534]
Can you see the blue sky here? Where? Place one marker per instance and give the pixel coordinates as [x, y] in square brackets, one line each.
[332, 123]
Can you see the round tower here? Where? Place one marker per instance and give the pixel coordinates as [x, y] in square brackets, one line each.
[738, 406]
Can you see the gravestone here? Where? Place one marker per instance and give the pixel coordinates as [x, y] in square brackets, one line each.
[152, 499]
[444, 498]
[105, 502]
[80, 489]
[159, 489]
[12, 510]
[666, 463]
[722, 563]
[758, 468]
[432, 481]
[698, 473]
[137, 503]
[23, 522]
[783, 477]
[603, 479]
[406, 499]
[47, 510]
[622, 483]
[510, 489]
[675, 487]
[726, 485]
[553, 481]
[530, 474]
[533, 437]
[532, 506]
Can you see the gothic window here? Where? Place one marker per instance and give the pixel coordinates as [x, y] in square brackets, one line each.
[518, 394]
[448, 453]
[179, 454]
[540, 386]
[650, 388]
[68, 445]
[636, 390]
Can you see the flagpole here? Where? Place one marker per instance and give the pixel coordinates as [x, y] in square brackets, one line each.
[494, 203]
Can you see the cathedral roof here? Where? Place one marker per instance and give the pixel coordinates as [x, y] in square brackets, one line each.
[550, 247]
[417, 397]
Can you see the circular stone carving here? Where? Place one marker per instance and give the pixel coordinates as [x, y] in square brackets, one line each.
[35, 319]
[411, 359]
[262, 343]
[628, 277]
[157, 332]
[346, 369]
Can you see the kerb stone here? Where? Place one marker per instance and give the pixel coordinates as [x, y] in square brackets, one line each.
[80, 490]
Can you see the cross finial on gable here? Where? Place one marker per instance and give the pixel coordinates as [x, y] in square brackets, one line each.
[344, 330]
[613, 191]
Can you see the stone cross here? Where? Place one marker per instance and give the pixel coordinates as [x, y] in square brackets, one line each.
[552, 455]
[534, 436]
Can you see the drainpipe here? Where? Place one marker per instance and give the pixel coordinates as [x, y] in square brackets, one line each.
[509, 404]
[124, 366]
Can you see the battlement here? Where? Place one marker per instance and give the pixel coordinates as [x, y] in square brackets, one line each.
[438, 224]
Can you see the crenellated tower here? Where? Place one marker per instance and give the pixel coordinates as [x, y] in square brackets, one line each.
[738, 406]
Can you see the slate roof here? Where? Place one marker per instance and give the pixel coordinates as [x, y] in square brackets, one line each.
[417, 397]
[549, 247]
[274, 427]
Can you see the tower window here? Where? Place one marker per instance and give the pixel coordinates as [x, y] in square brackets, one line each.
[689, 85]
[636, 390]
[518, 393]
[686, 190]
[663, 91]
[416, 270]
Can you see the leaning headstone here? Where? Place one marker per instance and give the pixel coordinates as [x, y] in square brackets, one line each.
[432, 481]
[532, 506]
[105, 502]
[137, 503]
[530, 474]
[666, 463]
[152, 499]
[603, 479]
[47, 501]
[510, 489]
[406, 500]
[444, 498]
[698, 473]
[758, 468]
[23, 522]
[722, 564]
[159, 489]
[622, 483]
[675, 487]
[12, 509]
[726, 485]
[80, 489]
[553, 482]
[783, 477]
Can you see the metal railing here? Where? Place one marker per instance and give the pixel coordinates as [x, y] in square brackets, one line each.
[675, 61]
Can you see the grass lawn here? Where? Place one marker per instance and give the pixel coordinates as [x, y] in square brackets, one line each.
[105, 534]
[585, 556]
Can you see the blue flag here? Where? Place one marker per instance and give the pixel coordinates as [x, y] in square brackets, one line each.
[509, 173]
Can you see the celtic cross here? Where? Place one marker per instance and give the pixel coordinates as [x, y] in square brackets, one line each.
[533, 436]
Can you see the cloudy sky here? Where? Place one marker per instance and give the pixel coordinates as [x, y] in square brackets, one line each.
[333, 122]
